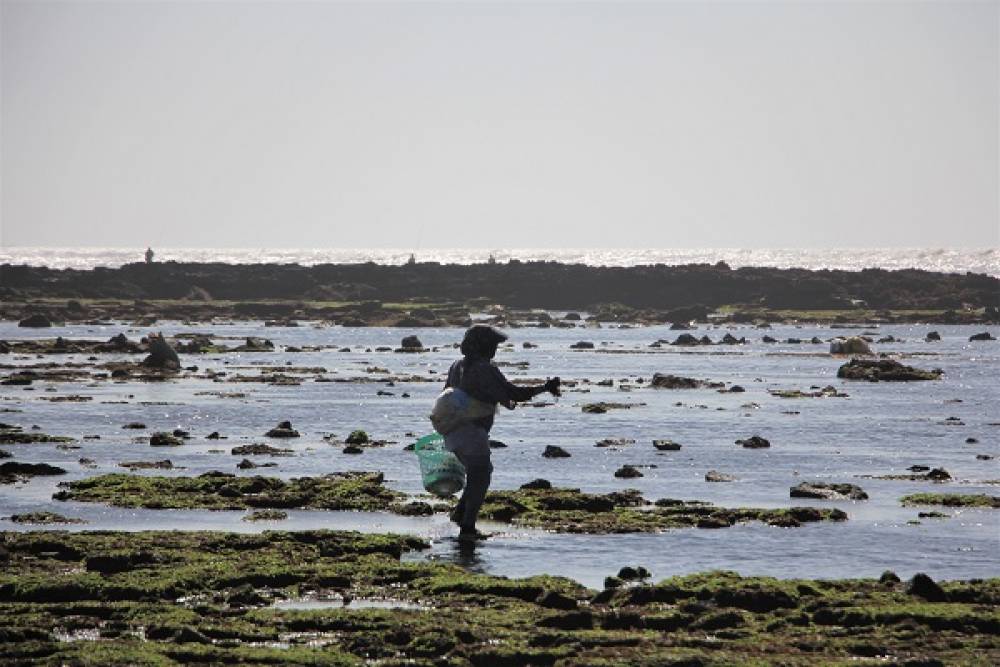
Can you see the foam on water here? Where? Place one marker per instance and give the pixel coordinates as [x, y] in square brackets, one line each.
[949, 260]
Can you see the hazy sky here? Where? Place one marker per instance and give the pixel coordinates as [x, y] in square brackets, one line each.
[658, 124]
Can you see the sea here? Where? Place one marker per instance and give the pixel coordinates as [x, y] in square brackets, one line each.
[344, 383]
[947, 260]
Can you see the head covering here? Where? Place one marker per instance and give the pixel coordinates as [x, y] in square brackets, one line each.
[481, 341]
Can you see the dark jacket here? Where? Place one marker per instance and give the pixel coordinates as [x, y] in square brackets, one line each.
[483, 381]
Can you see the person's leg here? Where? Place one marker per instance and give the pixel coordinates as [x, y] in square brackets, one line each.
[478, 472]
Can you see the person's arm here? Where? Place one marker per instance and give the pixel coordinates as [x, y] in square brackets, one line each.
[504, 391]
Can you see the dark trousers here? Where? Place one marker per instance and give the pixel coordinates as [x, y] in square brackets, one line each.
[478, 472]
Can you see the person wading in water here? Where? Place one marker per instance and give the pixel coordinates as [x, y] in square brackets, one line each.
[476, 376]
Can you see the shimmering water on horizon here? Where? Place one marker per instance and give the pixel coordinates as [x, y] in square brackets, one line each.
[948, 260]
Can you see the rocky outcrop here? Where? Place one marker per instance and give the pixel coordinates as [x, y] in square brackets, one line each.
[852, 345]
[566, 286]
[884, 370]
[161, 355]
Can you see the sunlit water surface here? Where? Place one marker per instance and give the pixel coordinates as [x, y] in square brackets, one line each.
[880, 429]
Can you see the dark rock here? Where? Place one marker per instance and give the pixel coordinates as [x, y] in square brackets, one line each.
[247, 464]
[939, 475]
[556, 600]
[824, 491]
[932, 336]
[138, 426]
[36, 321]
[730, 339]
[754, 442]
[537, 484]
[164, 440]
[986, 335]
[181, 433]
[628, 472]
[572, 317]
[12, 470]
[582, 345]
[628, 573]
[736, 389]
[259, 450]
[283, 430]
[716, 476]
[555, 452]
[686, 340]
[889, 577]
[161, 355]
[352, 449]
[666, 445]
[357, 437]
[768, 339]
[666, 381]
[884, 370]
[214, 435]
[923, 586]
[165, 464]
[411, 343]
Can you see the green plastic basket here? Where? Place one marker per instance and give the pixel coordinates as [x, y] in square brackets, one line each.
[443, 474]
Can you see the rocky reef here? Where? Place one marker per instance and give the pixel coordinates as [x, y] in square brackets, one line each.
[217, 598]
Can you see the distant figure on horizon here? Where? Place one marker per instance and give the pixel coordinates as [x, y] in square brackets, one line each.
[412, 260]
[149, 255]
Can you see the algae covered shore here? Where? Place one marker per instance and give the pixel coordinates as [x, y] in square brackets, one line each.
[769, 424]
[331, 598]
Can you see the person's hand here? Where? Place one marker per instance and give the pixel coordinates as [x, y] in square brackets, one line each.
[552, 386]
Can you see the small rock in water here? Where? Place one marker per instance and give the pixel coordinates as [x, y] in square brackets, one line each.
[357, 437]
[582, 345]
[411, 343]
[986, 335]
[135, 425]
[666, 445]
[628, 472]
[754, 442]
[716, 476]
[164, 440]
[824, 491]
[352, 449]
[555, 452]
[283, 430]
[932, 336]
[537, 484]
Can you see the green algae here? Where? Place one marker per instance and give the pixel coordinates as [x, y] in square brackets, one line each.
[572, 511]
[952, 500]
[223, 491]
[165, 598]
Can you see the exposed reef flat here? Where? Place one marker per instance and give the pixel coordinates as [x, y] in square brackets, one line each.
[554, 509]
[281, 291]
[210, 598]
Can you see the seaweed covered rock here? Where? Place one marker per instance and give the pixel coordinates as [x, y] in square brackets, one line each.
[884, 370]
[667, 381]
[218, 490]
[12, 471]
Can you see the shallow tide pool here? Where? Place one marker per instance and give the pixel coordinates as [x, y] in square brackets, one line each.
[878, 429]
